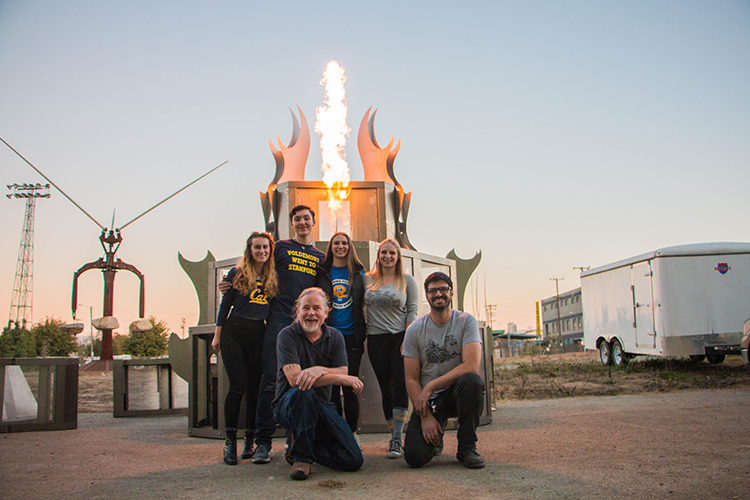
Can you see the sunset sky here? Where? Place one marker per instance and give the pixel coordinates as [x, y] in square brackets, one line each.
[548, 135]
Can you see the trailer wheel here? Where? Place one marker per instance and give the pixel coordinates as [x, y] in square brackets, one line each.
[697, 358]
[715, 359]
[619, 357]
[605, 353]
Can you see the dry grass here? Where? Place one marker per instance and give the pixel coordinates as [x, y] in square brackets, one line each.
[95, 392]
[540, 377]
[581, 374]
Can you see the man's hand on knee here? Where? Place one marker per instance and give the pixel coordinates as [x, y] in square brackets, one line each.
[431, 430]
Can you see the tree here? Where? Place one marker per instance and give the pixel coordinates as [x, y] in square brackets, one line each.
[17, 342]
[150, 343]
[50, 340]
[118, 344]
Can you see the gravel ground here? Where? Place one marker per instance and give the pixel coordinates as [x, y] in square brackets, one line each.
[682, 445]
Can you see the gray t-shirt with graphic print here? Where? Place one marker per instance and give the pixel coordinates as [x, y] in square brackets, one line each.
[438, 348]
[388, 310]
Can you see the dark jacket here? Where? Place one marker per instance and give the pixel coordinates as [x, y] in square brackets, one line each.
[357, 290]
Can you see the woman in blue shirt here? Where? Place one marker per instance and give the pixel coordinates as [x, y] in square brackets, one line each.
[239, 337]
[342, 281]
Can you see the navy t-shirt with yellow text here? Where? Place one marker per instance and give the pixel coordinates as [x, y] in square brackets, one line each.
[253, 306]
[296, 268]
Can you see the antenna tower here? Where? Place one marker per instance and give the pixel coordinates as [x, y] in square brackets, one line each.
[22, 299]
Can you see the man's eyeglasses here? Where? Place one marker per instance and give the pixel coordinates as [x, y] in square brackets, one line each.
[442, 289]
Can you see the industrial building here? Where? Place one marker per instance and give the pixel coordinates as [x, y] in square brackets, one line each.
[562, 319]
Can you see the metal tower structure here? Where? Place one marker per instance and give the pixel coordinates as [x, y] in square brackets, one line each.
[110, 239]
[23, 284]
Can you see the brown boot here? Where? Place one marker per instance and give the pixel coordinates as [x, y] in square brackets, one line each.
[300, 471]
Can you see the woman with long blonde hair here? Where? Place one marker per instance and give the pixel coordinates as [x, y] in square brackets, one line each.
[239, 336]
[391, 302]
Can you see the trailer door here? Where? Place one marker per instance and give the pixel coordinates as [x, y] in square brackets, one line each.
[643, 305]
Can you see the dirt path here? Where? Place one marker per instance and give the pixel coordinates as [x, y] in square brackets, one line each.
[681, 445]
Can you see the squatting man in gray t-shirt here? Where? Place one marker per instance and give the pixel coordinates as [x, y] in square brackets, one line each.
[442, 352]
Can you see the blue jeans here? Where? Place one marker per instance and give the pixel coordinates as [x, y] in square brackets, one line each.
[265, 425]
[320, 435]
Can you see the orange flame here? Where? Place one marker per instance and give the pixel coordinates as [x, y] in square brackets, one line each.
[331, 125]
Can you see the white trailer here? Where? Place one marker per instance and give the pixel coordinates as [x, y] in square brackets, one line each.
[687, 300]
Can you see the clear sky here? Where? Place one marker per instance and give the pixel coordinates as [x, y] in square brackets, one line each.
[547, 134]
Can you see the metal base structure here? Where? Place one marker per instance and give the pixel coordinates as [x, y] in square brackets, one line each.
[52, 395]
[160, 401]
[208, 387]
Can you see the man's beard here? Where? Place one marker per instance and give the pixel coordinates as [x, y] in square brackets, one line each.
[441, 308]
[307, 328]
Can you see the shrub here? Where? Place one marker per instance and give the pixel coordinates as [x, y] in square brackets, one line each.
[17, 342]
[151, 343]
[51, 340]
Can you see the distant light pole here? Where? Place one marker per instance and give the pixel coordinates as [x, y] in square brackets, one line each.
[91, 327]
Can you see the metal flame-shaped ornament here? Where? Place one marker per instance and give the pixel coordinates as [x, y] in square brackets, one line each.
[378, 166]
[290, 166]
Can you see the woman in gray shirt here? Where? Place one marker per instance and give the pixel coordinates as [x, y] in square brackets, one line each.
[391, 303]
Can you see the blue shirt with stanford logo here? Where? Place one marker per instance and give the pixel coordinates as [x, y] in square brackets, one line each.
[253, 306]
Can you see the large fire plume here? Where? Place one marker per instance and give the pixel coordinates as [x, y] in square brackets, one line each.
[331, 125]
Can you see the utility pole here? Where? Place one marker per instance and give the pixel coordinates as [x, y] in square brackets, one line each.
[21, 303]
[557, 293]
[583, 268]
[489, 310]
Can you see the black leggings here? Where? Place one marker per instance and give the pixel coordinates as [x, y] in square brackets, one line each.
[384, 352]
[241, 350]
[350, 410]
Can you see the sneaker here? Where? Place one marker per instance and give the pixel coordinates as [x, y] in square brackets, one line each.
[470, 458]
[438, 450]
[395, 450]
[262, 454]
[300, 471]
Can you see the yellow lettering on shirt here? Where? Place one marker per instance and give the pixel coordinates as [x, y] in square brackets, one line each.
[258, 297]
[303, 255]
[302, 269]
